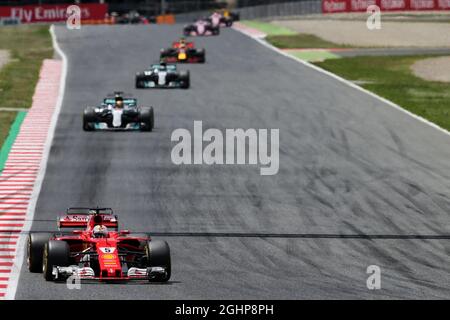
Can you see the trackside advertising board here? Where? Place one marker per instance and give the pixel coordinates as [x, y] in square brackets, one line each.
[51, 13]
[335, 6]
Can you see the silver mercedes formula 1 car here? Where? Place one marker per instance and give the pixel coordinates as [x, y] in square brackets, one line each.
[163, 75]
[118, 113]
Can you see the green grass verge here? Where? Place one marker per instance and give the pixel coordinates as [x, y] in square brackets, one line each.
[268, 28]
[315, 55]
[298, 41]
[392, 78]
[15, 127]
[28, 46]
[6, 119]
[285, 38]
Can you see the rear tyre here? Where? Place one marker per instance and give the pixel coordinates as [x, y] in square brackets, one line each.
[163, 55]
[201, 54]
[56, 253]
[158, 255]
[147, 119]
[89, 119]
[35, 250]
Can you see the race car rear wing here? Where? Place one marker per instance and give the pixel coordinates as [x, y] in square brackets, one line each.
[176, 45]
[81, 221]
[79, 218]
[86, 211]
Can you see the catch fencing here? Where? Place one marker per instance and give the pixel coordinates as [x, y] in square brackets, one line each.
[266, 11]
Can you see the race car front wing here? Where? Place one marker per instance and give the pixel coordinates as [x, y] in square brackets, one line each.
[87, 273]
[153, 84]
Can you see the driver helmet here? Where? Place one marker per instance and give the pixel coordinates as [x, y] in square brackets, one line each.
[119, 102]
[100, 231]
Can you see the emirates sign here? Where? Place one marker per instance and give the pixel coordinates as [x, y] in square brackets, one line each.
[51, 13]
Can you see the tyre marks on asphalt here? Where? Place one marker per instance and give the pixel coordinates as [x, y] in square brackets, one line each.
[21, 169]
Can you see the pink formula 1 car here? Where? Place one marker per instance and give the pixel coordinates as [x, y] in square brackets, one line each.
[202, 27]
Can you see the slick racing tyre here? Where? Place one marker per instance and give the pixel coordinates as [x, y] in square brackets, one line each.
[164, 54]
[185, 79]
[147, 119]
[201, 54]
[89, 119]
[35, 250]
[56, 253]
[140, 82]
[158, 255]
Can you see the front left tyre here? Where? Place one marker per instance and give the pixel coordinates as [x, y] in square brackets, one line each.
[140, 81]
[89, 119]
[56, 253]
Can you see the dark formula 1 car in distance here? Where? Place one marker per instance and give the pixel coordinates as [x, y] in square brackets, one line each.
[234, 16]
[163, 76]
[118, 113]
[183, 51]
[132, 17]
[201, 27]
[97, 250]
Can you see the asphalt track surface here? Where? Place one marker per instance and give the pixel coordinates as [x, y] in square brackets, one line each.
[349, 165]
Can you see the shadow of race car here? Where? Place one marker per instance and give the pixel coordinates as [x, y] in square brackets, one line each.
[183, 51]
[163, 75]
[97, 250]
[118, 113]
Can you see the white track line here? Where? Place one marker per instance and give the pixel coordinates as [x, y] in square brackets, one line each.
[347, 82]
[19, 255]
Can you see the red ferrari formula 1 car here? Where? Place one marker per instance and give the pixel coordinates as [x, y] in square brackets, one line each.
[97, 250]
[183, 51]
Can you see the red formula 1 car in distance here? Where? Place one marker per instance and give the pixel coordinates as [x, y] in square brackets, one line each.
[97, 250]
[183, 52]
